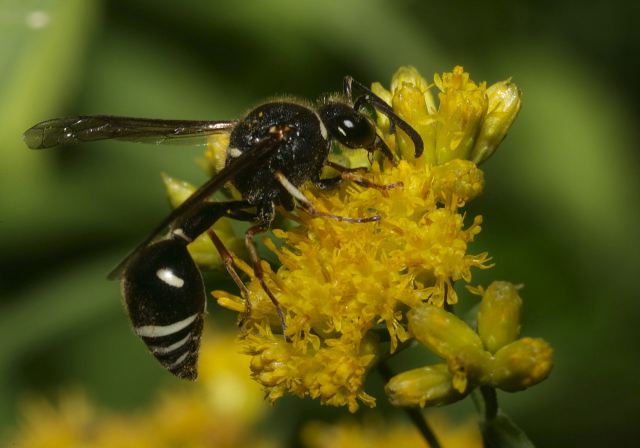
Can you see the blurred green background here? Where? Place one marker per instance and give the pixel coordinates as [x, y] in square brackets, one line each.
[560, 209]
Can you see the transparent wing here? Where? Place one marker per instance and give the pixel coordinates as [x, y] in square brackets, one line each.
[87, 128]
[260, 150]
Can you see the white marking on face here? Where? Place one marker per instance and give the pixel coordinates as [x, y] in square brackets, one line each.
[323, 129]
[156, 331]
[342, 131]
[178, 361]
[348, 123]
[233, 152]
[158, 350]
[171, 279]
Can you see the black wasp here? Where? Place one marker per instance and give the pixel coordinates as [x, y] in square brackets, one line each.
[273, 150]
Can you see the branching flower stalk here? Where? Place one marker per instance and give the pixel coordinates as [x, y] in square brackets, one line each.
[342, 284]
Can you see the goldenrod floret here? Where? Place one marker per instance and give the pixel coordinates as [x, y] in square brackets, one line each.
[409, 103]
[334, 371]
[522, 364]
[442, 332]
[457, 182]
[500, 315]
[463, 105]
[423, 387]
[216, 153]
[410, 75]
[202, 249]
[505, 101]
[412, 100]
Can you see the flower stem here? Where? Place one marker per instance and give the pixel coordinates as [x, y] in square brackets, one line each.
[490, 403]
[414, 414]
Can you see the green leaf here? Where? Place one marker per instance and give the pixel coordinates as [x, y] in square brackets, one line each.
[502, 432]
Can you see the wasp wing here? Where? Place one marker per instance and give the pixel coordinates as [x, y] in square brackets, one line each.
[260, 150]
[87, 128]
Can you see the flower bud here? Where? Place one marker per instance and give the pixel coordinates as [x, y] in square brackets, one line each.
[216, 159]
[216, 153]
[505, 101]
[463, 105]
[459, 181]
[470, 367]
[410, 75]
[423, 387]
[409, 103]
[522, 364]
[441, 331]
[500, 315]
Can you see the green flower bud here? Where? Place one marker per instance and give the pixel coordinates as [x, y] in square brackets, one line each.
[500, 316]
[522, 364]
[423, 387]
[470, 367]
[441, 332]
[505, 101]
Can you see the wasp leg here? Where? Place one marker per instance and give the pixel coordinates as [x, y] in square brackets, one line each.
[351, 174]
[264, 217]
[311, 209]
[227, 259]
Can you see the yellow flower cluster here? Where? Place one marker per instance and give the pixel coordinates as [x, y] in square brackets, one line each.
[378, 433]
[470, 122]
[492, 357]
[217, 411]
[339, 280]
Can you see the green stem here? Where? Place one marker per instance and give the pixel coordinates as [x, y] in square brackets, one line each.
[414, 414]
[490, 403]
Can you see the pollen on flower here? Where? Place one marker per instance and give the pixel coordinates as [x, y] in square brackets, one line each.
[339, 281]
[334, 372]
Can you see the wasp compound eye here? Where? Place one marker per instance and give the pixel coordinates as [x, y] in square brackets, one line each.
[348, 126]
